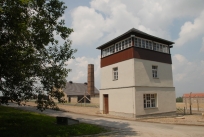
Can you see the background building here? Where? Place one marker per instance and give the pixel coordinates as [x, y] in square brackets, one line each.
[195, 97]
[83, 92]
[136, 76]
[76, 91]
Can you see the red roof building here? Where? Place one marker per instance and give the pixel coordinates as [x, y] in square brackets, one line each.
[194, 95]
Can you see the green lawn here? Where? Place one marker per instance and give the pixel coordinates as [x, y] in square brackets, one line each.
[19, 123]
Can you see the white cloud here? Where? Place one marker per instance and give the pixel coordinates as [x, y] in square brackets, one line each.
[88, 26]
[79, 69]
[202, 48]
[188, 75]
[106, 19]
[80, 75]
[69, 62]
[190, 30]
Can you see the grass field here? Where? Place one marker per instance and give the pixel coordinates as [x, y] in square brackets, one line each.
[19, 123]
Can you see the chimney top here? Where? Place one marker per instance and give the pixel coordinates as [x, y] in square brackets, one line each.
[70, 82]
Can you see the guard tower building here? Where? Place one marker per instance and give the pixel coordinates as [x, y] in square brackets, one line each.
[136, 76]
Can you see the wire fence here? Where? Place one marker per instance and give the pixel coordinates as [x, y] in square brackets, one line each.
[190, 108]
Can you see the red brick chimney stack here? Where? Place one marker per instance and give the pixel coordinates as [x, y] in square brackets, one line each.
[90, 86]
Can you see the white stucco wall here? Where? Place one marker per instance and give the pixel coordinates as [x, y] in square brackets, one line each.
[143, 74]
[165, 100]
[134, 80]
[125, 75]
[137, 72]
[121, 101]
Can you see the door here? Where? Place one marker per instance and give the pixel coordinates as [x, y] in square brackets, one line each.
[105, 104]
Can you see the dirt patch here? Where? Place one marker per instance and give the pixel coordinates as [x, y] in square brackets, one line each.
[186, 119]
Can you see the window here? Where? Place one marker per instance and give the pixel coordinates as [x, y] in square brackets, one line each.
[161, 48]
[158, 47]
[164, 48]
[147, 44]
[150, 45]
[129, 42]
[116, 49]
[119, 46]
[108, 51]
[115, 73]
[136, 44]
[143, 43]
[103, 53]
[139, 43]
[155, 71]
[112, 49]
[167, 51]
[123, 45]
[149, 100]
[155, 47]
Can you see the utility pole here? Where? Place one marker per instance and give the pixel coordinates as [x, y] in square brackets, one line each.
[190, 103]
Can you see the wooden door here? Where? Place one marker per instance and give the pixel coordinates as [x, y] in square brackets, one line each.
[105, 106]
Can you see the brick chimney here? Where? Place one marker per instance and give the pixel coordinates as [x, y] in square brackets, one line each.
[90, 86]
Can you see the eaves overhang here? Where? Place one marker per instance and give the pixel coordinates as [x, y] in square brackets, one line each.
[138, 33]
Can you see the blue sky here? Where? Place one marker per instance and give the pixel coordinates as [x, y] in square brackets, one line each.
[98, 21]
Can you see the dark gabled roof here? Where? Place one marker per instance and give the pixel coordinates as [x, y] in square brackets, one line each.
[74, 89]
[135, 32]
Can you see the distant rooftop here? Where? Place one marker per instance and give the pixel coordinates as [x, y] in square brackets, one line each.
[193, 95]
[135, 32]
[76, 89]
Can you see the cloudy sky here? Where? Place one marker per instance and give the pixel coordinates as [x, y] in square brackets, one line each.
[98, 21]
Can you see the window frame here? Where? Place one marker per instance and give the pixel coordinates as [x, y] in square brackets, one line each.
[138, 42]
[115, 73]
[151, 45]
[155, 72]
[150, 100]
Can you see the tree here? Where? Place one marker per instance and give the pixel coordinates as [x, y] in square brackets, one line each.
[31, 59]
[179, 99]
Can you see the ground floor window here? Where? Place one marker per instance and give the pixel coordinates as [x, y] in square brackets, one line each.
[149, 100]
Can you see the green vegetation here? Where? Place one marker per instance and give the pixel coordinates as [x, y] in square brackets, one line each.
[19, 123]
[34, 49]
[179, 99]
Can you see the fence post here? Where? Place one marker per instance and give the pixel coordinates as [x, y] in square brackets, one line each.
[197, 103]
[184, 111]
[190, 104]
[186, 105]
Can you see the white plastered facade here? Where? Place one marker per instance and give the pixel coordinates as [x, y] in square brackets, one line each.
[125, 95]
